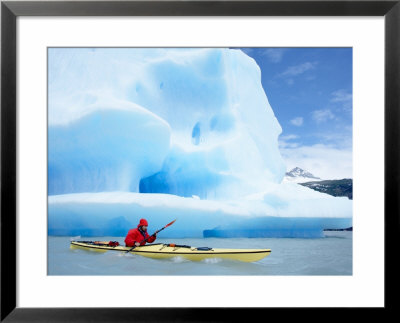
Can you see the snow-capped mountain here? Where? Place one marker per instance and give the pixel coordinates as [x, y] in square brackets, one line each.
[298, 175]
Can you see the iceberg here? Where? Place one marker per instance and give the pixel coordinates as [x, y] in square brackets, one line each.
[106, 150]
[171, 133]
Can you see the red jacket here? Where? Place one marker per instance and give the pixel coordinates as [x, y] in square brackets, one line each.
[134, 235]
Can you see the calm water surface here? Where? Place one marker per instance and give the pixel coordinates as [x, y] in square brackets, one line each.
[331, 255]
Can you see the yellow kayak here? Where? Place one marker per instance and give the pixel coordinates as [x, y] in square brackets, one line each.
[162, 251]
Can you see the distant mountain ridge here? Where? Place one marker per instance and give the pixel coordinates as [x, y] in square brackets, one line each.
[335, 187]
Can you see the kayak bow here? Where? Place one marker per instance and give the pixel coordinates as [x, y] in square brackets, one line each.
[164, 251]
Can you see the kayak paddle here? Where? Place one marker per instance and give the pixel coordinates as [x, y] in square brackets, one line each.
[144, 240]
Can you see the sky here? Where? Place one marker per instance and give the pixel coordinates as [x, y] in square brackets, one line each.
[310, 92]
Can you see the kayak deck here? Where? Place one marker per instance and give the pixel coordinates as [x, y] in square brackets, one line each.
[163, 251]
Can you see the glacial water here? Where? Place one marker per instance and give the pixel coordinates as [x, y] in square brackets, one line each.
[330, 255]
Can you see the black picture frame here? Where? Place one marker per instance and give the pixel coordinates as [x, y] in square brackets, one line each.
[11, 10]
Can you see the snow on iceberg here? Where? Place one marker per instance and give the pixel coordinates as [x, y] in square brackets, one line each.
[138, 132]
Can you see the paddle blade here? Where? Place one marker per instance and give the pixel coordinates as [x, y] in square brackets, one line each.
[170, 223]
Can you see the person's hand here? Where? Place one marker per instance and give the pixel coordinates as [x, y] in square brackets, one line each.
[137, 244]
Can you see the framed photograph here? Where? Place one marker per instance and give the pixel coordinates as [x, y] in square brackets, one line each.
[197, 151]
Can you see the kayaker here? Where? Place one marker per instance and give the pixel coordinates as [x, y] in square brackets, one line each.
[137, 235]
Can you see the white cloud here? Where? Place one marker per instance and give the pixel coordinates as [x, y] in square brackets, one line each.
[285, 145]
[322, 115]
[274, 54]
[341, 139]
[323, 161]
[289, 137]
[290, 81]
[286, 141]
[297, 121]
[341, 96]
[298, 69]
